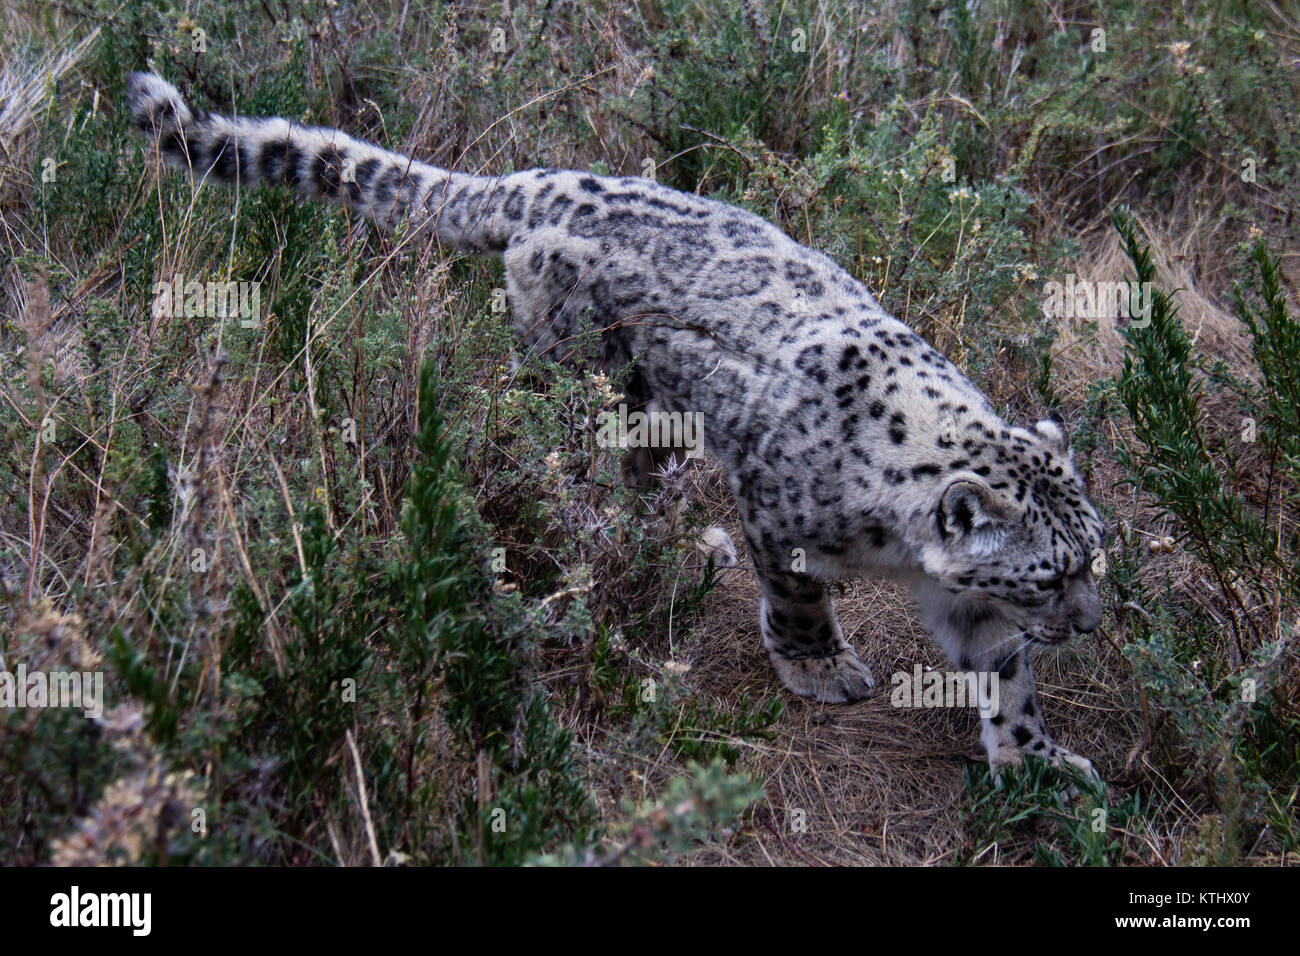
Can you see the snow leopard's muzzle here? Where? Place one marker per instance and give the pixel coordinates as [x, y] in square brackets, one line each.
[1076, 611]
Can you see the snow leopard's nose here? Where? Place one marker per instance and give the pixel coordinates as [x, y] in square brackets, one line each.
[1083, 602]
[1085, 625]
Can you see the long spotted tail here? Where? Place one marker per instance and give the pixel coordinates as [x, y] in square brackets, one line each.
[321, 163]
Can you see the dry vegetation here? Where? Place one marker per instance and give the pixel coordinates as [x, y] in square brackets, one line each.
[320, 477]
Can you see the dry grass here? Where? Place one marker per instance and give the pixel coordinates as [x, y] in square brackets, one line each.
[1190, 257]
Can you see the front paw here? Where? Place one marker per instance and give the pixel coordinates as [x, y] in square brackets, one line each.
[1083, 764]
[1004, 754]
[838, 679]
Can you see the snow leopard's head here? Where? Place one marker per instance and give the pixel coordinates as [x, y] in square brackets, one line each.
[1019, 535]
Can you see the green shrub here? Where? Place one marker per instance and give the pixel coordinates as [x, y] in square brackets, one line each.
[1031, 809]
[1235, 726]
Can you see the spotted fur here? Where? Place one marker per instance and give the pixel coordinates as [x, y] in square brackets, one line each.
[853, 447]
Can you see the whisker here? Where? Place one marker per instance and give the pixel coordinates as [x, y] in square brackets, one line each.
[1007, 640]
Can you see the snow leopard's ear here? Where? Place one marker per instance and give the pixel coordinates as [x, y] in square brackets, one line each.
[1052, 433]
[968, 507]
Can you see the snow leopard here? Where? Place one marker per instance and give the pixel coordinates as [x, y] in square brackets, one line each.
[852, 447]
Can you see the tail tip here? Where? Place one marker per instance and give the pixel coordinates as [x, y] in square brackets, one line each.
[154, 102]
